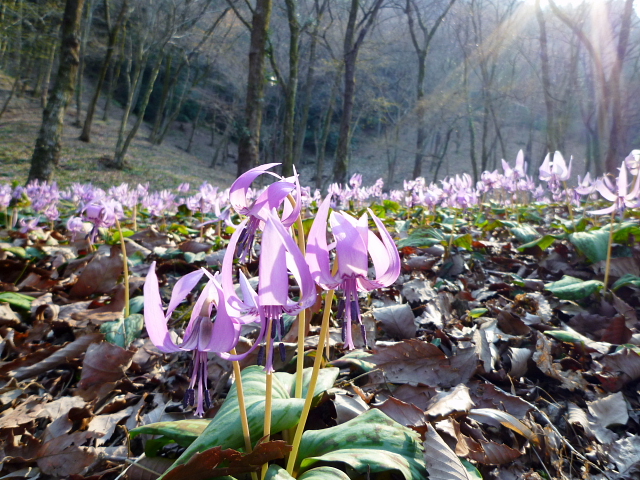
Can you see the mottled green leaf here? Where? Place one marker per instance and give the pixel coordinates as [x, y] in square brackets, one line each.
[593, 244]
[182, 432]
[370, 442]
[17, 300]
[124, 331]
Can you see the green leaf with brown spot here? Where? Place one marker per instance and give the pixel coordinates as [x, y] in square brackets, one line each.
[370, 442]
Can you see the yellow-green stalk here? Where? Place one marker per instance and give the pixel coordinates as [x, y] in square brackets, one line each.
[608, 262]
[268, 398]
[125, 266]
[243, 409]
[324, 332]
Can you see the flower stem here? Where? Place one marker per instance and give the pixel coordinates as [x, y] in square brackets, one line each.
[126, 270]
[324, 332]
[243, 409]
[302, 326]
[566, 190]
[268, 398]
[134, 217]
[608, 263]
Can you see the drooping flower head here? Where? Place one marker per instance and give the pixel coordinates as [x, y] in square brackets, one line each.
[270, 199]
[623, 198]
[354, 244]
[555, 172]
[201, 335]
[279, 258]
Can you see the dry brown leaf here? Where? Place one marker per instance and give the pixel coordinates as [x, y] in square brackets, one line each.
[100, 275]
[105, 425]
[416, 395]
[404, 413]
[494, 417]
[63, 355]
[65, 455]
[444, 404]
[542, 356]
[104, 363]
[494, 453]
[397, 320]
[58, 410]
[486, 395]
[414, 361]
[610, 410]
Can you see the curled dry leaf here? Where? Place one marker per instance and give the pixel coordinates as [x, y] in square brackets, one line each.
[100, 275]
[404, 413]
[397, 320]
[610, 410]
[444, 404]
[204, 465]
[496, 418]
[103, 365]
[63, 355]
[442, 463]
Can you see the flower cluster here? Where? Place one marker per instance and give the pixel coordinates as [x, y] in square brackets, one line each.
[220, 310]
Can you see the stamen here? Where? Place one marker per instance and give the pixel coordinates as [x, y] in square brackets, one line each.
[340, 313]
[207, 399]
[261, 354]
[189, 398]
[364, 335]
[283, 352]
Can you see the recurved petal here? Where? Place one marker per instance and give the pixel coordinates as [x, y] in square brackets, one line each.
[182, 288]
[603, 211]
[270, 199]
[317, 256]
[239, 189]
[351, 247]
[273, 285]
[385, 256]
[154, 318]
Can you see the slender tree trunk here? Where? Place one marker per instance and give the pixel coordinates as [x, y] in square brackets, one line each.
[546, 79]
[613, 152]
[46, 154]
[249, 141]
[86, 30]
[47, 75]
[85, 136]
[194, 126]
[119, 158]
[351, 48]
[326, 129]
[292, 87]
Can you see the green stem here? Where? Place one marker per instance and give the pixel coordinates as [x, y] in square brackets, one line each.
[608, 263]
[134, 217]
[268, 398]
[302, 315]
[243, 409]
[568, 202]
[324, 331]
[126, 270]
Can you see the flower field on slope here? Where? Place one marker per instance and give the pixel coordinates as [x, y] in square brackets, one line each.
[451, 330]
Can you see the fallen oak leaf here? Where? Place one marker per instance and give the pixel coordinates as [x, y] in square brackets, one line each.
[494, 417]
[64, 456]
[204, 465]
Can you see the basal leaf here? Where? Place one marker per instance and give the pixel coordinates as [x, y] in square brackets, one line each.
[17, 300]
[370, 442]
[571, 288]
[525, 233]
[226, 430]
[182, 432]
[276, 472]
[593, 244]
[124, 331]
[543, 242]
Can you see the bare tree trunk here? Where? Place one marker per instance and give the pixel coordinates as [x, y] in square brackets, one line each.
[85, 136]
[351, 48]
[321, 146]
[292, 87]
[249, 141]
[119, 158]
[47, 76]
[46, 154]
[86, 30]
[194, 127]
[546, 80]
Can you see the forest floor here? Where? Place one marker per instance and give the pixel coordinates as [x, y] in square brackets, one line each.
[164, 166]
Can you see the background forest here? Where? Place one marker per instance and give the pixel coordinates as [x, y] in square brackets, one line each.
[387, 88]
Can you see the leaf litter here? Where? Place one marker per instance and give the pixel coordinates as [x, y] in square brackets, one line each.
[499, 375]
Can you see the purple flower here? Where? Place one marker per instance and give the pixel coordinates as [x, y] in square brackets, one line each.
[633, 162]
[270, 199]
[280, 256]
[354, 243]
[27, 226]
[555, 172]
[201, 335]
[5, 195]
[621, 200]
